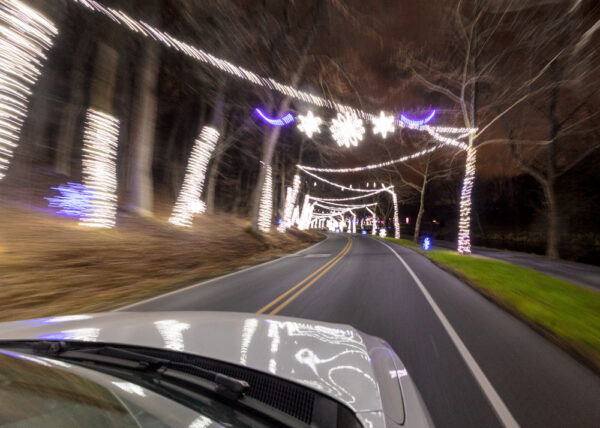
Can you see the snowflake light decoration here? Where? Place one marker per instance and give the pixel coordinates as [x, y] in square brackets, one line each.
[309, 124]
[347, 129]
[383, 124]
[382, 232]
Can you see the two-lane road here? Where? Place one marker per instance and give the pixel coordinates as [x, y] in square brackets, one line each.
[474, 364]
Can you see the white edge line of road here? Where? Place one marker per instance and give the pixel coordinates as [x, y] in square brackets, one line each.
[216, 278]
[500, 408]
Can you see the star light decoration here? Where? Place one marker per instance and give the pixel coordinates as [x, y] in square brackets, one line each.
[347, 129]
[309, 124]
[383, 124]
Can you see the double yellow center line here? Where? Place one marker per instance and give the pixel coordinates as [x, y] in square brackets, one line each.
[305, 283]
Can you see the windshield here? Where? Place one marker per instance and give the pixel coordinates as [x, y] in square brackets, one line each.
[42, 392]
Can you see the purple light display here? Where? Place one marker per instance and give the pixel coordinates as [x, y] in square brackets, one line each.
[74, 200]
[284, 120]
[414, 122]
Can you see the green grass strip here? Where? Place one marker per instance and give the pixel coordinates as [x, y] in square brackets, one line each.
[570, 313]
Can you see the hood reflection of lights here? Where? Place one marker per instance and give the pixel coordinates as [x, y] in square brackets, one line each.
[247, 332]
[31, 358]
[309, 358]
[172, 333]
[201, 422]
[82, 334]
[131, 388]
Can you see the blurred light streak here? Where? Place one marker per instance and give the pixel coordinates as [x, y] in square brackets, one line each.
[25, 36]
[100, 139]
[74, 200]
[188, 202]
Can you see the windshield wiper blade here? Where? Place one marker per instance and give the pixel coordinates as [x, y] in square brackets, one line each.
[226, 385]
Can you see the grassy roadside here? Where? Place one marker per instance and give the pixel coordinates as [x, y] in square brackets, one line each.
[51, 266]
[567, 314]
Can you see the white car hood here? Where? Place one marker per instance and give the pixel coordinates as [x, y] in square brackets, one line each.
[330, 358]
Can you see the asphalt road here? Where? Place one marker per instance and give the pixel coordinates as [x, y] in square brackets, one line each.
[577, 273]
[474, 364]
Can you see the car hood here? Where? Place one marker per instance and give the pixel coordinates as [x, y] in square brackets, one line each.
[330, 358]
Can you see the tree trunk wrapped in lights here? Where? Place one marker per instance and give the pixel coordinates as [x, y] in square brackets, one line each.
[188, 202]
[464, 224]
[100, 140]
[25, 37]
[290, 202]
[265, 211]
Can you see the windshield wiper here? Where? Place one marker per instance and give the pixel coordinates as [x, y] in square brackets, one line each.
[227, 386]
[188, 382]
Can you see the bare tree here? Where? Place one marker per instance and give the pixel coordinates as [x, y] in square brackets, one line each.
[484, 77]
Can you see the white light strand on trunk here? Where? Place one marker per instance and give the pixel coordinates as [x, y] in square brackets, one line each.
[188, 202]
[100, 139]
[374, 231]
[464, 224]
[296, 216]
[369, 167]
[146, 30]
[25, 36]
[305, 213]
[283, 224]
[290, 203]
[265, 211]
[396, 215]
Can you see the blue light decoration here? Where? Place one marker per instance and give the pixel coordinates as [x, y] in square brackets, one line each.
[427, 243]
[364, 232]
[284, 120]
[74, 200]
[416, 123]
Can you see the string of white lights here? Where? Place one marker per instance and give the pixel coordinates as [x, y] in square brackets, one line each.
[332, 205]
[446, 140]
[25, 36]
[351, 198]
[188, 202]
[464, 224]
[339, 186]
[171, 42]
[100, 138]
[265, 211]
[369, 167]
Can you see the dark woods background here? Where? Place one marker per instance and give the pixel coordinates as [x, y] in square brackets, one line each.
[389, 55]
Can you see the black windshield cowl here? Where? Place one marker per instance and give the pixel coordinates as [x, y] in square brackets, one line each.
[227, 386]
